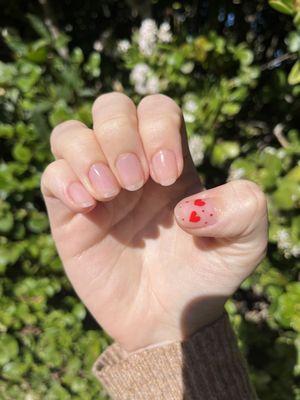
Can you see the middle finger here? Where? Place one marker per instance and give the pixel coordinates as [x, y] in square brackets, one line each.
[116, 128]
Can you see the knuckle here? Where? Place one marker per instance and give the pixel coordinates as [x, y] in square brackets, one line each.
[159, 101]
[115, 125]
[62, 128]
[253, 196]
[52, 168]
[111, 98]
[47, 175]
[156, 127]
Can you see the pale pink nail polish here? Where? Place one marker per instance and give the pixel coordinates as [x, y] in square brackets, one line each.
[196, 212]
[130, 171]
[103, 180]
[79, 195]
[165, 167]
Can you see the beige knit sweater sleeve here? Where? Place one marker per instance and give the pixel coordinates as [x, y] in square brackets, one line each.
[207, 366]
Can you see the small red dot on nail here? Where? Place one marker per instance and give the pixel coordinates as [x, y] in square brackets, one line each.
[203, 211]
[205, 223]
[182, 219]
[211, 215]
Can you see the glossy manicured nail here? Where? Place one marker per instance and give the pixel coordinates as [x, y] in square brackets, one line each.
[196, 212]
[164, 167]
[130, 171]
[79, 195]
[103, 180]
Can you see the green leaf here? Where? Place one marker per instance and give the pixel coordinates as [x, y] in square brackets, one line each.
[38, 52]
[14, 42]
[61, 112]
[79, 311]
[8, 72]
[29, 74]
[283, 6]
[6, 222]
[39, 26]
[14, 370]
[38, 222]
[21, 153]
[223, 151]
[92, 67]
[293, 41]
[244, 55]
[230, 109]
[294, 75]
[288, 309]
[287, 194]
[77, 55]
[6, 131]
[202, 46]
[176, 59]
[9, 348]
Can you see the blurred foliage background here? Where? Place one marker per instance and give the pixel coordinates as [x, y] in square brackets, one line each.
[234, 68]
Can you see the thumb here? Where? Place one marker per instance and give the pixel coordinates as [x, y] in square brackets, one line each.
[237, 209]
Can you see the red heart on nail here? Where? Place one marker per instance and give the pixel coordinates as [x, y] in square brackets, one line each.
[194, 217]
[199, 202]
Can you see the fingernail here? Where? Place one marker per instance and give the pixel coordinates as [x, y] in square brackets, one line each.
[130, 171]
[165, 167]
[103, 180]
[79, 195]
[196, 212]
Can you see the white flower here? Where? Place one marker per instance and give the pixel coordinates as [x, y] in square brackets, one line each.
[123, 46]
[164, 33]
[98, 45]
[153, 85]
[147, 36]
[140, 88]
[188, 117]
[196, 147]
[281, 153]
[283, 237]
[139, 73]
[190, 106]
[138, 77]
[295, 250]
[144, 80]
[236, 173]
[284, 242]
[270, 150]
[187, 68]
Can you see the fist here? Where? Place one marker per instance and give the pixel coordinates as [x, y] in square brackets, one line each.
[152, 255]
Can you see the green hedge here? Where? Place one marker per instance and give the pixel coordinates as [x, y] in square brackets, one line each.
[242, 119]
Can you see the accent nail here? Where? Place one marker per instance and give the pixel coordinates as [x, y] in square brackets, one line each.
[103, 180]
[165, 167]
[196, 212]
[80, 195]
[130, 171]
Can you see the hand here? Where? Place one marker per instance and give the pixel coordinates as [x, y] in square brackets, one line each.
[147, 273]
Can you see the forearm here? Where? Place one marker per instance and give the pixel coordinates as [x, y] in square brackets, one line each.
[207, 366]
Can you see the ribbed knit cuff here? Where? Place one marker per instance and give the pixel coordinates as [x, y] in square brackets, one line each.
[207, 366]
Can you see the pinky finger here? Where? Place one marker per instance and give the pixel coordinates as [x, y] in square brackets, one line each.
[59, 184]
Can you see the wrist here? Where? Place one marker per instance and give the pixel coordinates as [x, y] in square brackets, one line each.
[195, 318]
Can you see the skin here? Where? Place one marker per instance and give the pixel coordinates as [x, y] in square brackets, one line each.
[146, 273]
